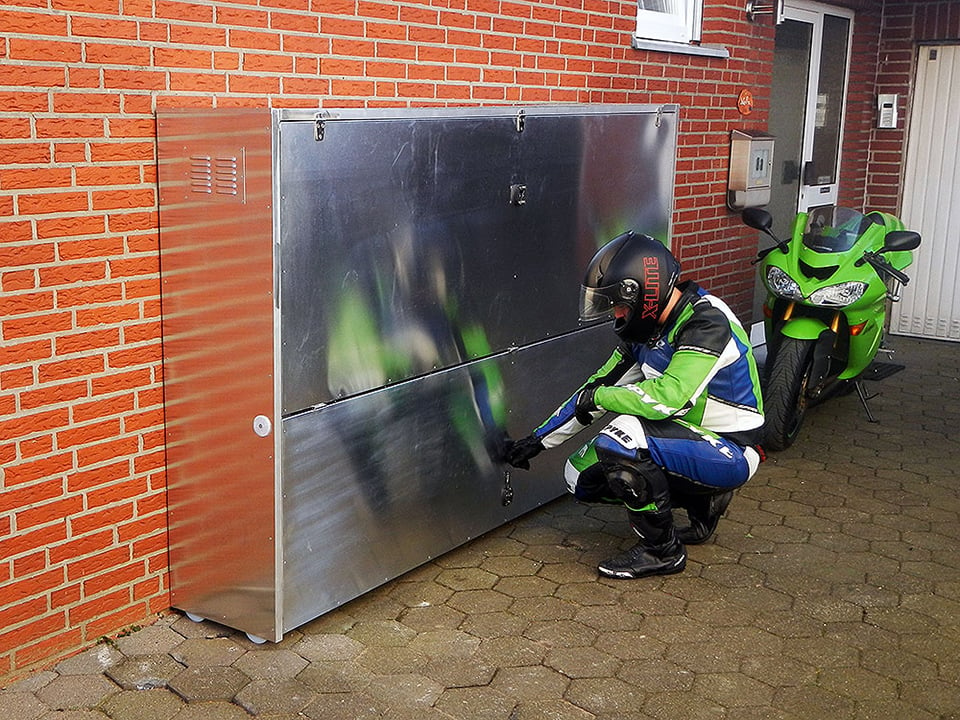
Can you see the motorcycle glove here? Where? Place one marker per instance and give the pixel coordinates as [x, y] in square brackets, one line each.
[519, 452]
[585, 406]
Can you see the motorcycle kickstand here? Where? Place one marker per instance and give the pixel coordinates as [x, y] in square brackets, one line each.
[862, 394]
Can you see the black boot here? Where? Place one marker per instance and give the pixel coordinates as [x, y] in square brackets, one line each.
[659, 552]
[704, 512]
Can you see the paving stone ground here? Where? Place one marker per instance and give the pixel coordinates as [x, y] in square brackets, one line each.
[830, 592]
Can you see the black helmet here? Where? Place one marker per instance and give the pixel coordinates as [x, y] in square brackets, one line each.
[635, 271]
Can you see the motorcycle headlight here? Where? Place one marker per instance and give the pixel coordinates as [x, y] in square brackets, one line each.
[782, 284]
[839, 295]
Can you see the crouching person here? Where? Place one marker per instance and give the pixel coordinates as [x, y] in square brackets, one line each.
[684, 387]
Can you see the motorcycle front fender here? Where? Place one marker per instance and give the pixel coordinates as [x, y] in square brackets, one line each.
[803, 328]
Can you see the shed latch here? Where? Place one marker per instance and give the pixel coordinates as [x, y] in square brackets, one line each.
[520, 120]
[319, 128]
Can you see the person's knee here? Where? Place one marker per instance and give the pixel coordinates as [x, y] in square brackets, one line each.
[628, 484]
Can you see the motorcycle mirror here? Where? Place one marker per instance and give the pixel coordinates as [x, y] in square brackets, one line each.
[757, 218]
[901, 240]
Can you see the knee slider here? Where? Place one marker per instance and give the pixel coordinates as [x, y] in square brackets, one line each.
[636, 480]
[627, 484]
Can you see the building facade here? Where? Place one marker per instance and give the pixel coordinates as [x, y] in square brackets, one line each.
[83, 544]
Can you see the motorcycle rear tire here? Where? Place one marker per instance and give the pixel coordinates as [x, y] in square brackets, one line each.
[785, 395]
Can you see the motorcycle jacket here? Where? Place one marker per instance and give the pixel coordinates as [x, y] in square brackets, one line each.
[699, 368]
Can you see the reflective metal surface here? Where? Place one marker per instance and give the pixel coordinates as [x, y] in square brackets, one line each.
[395, 233]
[215, 174]
[377, 484]
[356, 307]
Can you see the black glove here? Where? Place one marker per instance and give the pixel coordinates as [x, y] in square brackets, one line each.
[519, 452]
[585, 406]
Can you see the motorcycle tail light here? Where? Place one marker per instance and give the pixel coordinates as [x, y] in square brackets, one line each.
[839, 295]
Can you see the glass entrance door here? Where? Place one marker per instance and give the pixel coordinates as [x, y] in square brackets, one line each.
[811, 60]
[825, 100]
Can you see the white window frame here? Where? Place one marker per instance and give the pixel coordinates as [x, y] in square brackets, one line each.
[680, 25]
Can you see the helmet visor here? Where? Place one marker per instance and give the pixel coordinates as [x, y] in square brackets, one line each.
[597, 303]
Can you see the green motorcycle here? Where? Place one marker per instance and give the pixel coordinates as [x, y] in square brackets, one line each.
[827, 291]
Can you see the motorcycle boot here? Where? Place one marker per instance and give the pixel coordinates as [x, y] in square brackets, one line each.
[659, 551]
[704, 513]
[642, 485]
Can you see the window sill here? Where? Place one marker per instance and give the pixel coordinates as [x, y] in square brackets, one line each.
[716, 51]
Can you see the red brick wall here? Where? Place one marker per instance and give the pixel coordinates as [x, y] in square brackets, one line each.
[82, 522]
[860, 112]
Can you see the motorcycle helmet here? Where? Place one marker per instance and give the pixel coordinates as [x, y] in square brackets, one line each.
[635, 273]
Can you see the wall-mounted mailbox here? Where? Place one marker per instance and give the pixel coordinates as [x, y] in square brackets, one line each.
[751, 165]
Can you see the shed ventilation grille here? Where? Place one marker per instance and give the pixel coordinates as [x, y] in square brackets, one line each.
[217, 175]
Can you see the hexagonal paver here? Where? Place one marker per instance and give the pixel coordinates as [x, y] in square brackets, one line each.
[73, 691]
[582, 662]
[733, 690]
[511, 651]
[494, 624]
[467, 579]
[271, 664]
[459, 672]
[606, 696]
[526, 586]
[208, 682]
[445, 642]
[381, 632]
[479, 601]
[831, 589]
[430, 617]
[275, 697]
[207, 652]
[530, 682]
[152, 640]
[353, 705]
[510, 565]
[159, 704]
[91, 662]
[323, 648]
[335, 677]
[475, 703]
[389, 659]
[561, 633]
[144, 672]
[662, 676]
[405, 690]
[217, 710]
[421, 594]
[21, 705]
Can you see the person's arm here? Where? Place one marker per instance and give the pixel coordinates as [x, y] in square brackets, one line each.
[563, 423]
[703, 347]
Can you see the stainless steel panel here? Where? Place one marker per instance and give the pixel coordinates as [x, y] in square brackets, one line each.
[379, 483]
[216, 251]
[352, 309]
[396, 231]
